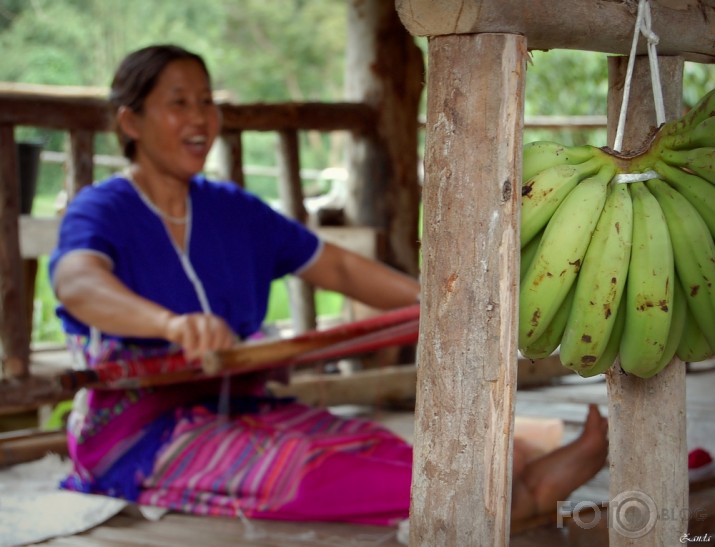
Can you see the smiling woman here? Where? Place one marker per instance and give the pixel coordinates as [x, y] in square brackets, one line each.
[160, 259]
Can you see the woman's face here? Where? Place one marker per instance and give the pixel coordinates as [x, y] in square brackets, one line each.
[179, 121]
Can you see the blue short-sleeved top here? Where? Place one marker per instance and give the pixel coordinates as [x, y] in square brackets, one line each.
[237, 245]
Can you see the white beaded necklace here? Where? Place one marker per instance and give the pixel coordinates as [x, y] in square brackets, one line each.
[149, 203]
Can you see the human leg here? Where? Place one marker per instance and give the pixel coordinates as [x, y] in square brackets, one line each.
[538, 484]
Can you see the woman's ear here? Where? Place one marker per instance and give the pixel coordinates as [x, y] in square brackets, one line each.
[127, 122]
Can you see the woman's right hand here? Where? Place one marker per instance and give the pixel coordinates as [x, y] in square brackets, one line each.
[199, 333]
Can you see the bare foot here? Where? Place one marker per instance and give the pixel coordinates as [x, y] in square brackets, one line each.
[552, 477]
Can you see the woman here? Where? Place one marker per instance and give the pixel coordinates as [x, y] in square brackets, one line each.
[159, 258]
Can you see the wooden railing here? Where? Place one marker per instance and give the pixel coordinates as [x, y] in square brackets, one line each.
[83, 113]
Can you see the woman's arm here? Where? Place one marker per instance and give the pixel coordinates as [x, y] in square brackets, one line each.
[357, 277]
[86, 286]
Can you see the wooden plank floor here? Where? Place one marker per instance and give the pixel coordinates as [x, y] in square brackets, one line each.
[565, 399]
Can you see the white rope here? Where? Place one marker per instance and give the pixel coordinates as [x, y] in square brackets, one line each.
[635, 177]
[643, 26]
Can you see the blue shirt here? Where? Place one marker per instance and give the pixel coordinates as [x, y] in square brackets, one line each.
[237, 245]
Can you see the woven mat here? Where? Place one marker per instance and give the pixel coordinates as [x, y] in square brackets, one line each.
[33, 509]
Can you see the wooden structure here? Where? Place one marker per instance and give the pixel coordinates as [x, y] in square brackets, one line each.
[467, 363]
[477, 59]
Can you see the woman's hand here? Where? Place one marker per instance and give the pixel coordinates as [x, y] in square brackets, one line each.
[85, 284]
[199, 333]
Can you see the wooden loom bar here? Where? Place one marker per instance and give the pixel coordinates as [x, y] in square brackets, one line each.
[397, 327]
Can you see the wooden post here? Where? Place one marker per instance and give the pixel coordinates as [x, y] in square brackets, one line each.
[302, 295]
[13, 316]
[467, 357]
[385, 70]
[234, 157]
[80, 168]
[647, 422]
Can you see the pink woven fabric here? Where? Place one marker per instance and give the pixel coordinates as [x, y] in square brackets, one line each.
[292, 463]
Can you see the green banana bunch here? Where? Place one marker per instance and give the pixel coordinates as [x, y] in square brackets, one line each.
[699, 192]
[621, 272]
[693, 346]
[600, 284]
[694, 252]
[541, 155]
[649, 287]
[700, 161]
[558, 258]
[543, 193]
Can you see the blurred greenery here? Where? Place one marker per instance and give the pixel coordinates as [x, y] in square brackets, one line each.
[257, 51]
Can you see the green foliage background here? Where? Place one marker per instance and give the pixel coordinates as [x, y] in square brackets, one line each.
[257, 51]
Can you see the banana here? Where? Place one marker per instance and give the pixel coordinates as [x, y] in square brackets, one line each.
[528, 253]
[700, 136]
[541, 155]
[700, 161]
[610, 352]
[600, 283]
[677, 324]
[694, 252]
[542, 194]
[705, 108]
[693, 346]
[547, 343]
[649, 287]
[555, 267]
[699, 192]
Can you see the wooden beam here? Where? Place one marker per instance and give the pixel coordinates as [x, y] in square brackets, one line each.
[319, 116]
[394, 384]
[386, 72]
[684, 27]
[647, 422]
[26, 447]
[467, 361]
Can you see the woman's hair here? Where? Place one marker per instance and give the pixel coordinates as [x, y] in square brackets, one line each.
[136, 76]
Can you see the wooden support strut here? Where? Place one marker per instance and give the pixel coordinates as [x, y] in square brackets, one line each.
[467, 359]
[647, 422]
[684, 27]
[15, 346]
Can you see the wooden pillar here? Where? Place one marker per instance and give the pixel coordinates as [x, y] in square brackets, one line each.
[302, 297]
[13, 316]
[385, 70]
[467, 356]
[647, 421]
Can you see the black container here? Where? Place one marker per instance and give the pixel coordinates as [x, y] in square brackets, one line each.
[28, 165]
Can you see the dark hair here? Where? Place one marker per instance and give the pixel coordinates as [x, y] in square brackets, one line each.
[136, 76]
